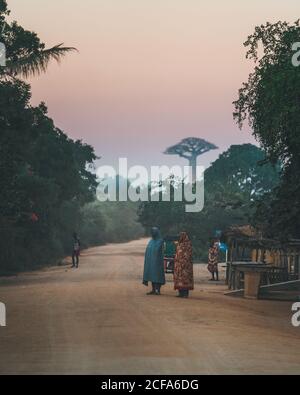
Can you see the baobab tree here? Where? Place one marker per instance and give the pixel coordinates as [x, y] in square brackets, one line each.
[190, 148]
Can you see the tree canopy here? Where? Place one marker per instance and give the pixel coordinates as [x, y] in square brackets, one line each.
[270, 102]
[190, 148]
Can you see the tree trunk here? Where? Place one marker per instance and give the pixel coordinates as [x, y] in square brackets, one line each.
[193, 164]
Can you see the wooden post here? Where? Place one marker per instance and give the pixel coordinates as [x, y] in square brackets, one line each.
[252, 283]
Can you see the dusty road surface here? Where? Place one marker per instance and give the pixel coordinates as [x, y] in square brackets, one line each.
[98, 320]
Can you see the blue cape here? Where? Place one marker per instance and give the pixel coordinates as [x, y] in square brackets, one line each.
[154, 260]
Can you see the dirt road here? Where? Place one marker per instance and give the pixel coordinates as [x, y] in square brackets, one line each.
[98, 320]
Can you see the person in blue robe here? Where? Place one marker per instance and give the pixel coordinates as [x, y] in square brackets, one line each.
[154, 263]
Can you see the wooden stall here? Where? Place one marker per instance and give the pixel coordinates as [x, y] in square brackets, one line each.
[273, 261]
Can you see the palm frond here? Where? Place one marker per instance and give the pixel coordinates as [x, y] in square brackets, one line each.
[37, 63]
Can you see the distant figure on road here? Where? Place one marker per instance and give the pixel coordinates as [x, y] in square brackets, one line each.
[76, 251]
[183, 271]
[213, 260]
[154, 263]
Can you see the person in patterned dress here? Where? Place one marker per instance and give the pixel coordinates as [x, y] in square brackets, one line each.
[183, 269]
[213, 260]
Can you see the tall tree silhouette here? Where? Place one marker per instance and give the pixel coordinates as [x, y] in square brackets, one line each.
[190, 148]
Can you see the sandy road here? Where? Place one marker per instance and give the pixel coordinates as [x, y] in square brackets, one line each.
[98, 320]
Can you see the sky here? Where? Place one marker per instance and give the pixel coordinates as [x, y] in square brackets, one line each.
[148, 72]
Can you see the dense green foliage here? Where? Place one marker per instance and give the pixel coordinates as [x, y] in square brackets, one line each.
[232, 185]
[44, 181]
[270, 102]
[44, 174]
[47, 183]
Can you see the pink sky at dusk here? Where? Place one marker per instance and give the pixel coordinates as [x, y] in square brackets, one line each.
[148, 72]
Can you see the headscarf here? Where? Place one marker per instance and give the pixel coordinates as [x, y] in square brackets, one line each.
[184, 238]
[155, 233]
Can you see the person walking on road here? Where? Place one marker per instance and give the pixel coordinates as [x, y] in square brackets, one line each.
[76, 251]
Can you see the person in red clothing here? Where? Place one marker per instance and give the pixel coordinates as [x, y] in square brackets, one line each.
[76, 250]
[183, 270]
